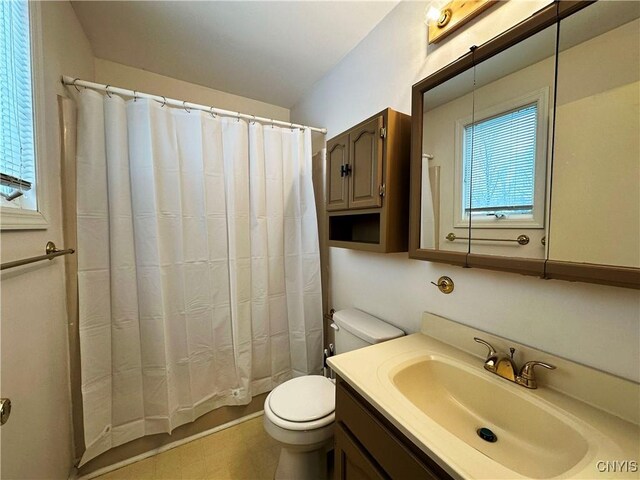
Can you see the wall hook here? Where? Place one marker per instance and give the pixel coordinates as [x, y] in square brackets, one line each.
[445, 285]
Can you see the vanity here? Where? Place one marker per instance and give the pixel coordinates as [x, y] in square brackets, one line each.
[424, 406]
[525, 152]
[370, 446]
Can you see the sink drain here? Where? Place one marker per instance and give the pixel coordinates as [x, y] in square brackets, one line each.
[487, 435]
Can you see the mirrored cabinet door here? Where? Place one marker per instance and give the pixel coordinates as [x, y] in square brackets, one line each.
[595, 205]
[526, 150]
[505, 151]
[443, 106]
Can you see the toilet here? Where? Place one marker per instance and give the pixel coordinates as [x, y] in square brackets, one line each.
[300, 413]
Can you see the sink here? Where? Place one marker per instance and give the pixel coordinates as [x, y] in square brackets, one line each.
[533, 438]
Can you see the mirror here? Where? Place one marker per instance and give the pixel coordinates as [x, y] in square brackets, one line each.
[442, 107]
[506, 150]
[595, 209]
[525, 153]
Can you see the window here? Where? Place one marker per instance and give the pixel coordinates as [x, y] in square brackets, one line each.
[503, 165]
[17, 129]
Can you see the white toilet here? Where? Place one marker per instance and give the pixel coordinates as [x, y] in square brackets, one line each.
[300, 413]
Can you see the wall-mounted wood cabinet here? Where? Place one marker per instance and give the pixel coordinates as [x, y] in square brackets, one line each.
[368, 184]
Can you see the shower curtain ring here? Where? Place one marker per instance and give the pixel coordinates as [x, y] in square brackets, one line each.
[238, 117]
[291, 127]
[213, 115]
[74, 83]
[107, 90]
[164, 102]
[272, 123]
[253, 121]
[135, 97]
[184, 104]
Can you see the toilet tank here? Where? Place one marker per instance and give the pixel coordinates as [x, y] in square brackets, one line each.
[356, 329]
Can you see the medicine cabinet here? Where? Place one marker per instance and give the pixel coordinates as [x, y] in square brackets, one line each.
[525, 152]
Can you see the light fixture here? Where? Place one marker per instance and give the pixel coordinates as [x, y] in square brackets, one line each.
[434, 11]
[439, 16]
[432, 14]
[444, 18]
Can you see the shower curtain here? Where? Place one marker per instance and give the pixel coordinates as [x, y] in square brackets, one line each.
[198, 264]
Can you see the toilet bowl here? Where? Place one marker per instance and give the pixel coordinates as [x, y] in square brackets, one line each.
[300, 413]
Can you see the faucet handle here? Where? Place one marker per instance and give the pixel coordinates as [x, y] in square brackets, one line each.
[492, 351]
[527, 377]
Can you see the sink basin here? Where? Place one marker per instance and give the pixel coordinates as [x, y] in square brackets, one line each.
[533, 439]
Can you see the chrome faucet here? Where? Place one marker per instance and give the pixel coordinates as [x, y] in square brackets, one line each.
[503, 366]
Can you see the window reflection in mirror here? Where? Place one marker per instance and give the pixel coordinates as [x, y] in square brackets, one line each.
[595, 211]
[443, 106]
[505, 148]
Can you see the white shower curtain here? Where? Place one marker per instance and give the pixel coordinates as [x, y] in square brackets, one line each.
[198, 265]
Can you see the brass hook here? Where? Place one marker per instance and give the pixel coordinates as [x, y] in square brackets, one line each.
[445, 285]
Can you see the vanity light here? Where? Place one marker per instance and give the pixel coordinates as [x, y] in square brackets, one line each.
[445, 16]
[439, 16]
[432, 14]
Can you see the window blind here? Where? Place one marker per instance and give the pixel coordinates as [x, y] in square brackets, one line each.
[17, 152]
[500, 153]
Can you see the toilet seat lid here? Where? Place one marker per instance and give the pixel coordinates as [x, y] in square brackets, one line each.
[303, 399]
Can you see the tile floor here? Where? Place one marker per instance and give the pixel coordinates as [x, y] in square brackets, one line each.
[243, 451]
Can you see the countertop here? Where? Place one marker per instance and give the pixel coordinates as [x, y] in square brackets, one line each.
[367, 370]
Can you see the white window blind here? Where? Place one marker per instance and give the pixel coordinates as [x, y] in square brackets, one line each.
[499, 155]
[17, 151]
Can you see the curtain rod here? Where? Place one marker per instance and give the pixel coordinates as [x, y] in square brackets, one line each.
[66, 80]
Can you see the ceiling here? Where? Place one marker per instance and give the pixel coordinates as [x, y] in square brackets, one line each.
[268, 51]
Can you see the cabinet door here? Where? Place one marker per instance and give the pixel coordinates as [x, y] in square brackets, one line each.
[337, 162]
[365, 177]
[352, 462]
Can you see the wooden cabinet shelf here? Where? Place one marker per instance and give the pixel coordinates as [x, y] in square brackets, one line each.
[368, 184]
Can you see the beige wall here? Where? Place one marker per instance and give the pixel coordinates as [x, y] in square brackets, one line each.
[578, 321]
[119, 75]
[36, 442]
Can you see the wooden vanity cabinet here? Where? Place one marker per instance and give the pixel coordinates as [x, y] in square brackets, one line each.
[368, 446]
[367, 197]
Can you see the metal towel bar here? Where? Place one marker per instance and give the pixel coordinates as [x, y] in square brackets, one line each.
[51, 252]
[521, 240]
